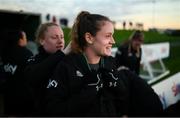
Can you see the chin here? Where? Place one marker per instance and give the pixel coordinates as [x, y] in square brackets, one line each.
[107, 54]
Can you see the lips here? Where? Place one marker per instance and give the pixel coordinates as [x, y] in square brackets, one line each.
[59, 47]
[109, 47]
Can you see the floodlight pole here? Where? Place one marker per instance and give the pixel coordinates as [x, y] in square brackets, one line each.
[153, 14]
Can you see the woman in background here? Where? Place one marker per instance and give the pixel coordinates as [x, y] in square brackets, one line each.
[14, 58]
[50, 38]
[129, 53]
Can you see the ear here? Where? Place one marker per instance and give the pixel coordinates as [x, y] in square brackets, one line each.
[41, 41]
[20, 41]
[89, 38]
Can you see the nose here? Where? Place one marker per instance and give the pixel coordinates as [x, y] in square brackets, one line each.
[60, 39]
[112, 40]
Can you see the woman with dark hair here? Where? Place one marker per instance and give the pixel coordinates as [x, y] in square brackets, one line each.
[14, 57]
[86, 83]
[129, 53]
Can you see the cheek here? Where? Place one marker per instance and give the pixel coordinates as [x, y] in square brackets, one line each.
[135, 44]
[138, 43]
[102, 45]
[103, 49]
[63, 42]
[107, 52]
[49, 44]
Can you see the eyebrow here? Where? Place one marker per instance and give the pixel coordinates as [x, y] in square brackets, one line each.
[110, 33]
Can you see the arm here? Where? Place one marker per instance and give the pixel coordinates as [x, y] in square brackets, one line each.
[72, 96]
[139, 63]
[143, 100]
[37, 72]
[57, 93]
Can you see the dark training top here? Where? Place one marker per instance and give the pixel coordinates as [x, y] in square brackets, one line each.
[40, 68]
[77, 90]
[129, 58]
[14, 62]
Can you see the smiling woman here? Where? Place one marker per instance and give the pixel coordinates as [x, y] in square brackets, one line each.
[78, 76]
[86, 81]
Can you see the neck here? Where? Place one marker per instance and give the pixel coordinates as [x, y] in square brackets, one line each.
[91, 57]
[135, 47]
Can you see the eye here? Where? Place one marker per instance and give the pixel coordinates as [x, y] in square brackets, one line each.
[108, 36]
[62, 37]
[53, 37]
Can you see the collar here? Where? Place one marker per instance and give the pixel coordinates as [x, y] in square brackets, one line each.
[83, 63]
[42, 52]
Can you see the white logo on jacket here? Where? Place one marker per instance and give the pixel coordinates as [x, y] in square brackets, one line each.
[52, 83]
[79, 74]
[97, 84]
[10, 68]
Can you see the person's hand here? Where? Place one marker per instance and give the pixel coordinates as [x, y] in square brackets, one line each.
[67, 50]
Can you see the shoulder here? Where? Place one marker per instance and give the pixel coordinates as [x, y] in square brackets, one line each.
[69, 60]
[70, 57]
[22, 52]
[122, 49]
[123, 46]
[33, 59]
[124, 71]
[109, 62]
[127, 73]
[122, 68]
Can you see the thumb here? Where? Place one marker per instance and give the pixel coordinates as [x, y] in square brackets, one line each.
[67, 50]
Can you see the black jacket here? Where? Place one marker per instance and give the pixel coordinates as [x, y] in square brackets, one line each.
[172, 110]
[37, 73]
[76, 90]
[143, 101]
[126, 56]
[14, 62]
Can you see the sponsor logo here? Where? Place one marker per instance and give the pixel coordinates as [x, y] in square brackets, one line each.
[79, 74]
[97, 84]
[52, 83]
[112, 84]
[10, 68]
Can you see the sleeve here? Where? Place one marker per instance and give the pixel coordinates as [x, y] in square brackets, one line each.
[138, 63]
[57, 92]
[140, 54]
[24, 55]
[36, 72]
[114, 83]
[137, 67]
[65, 100]
[143, 100]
